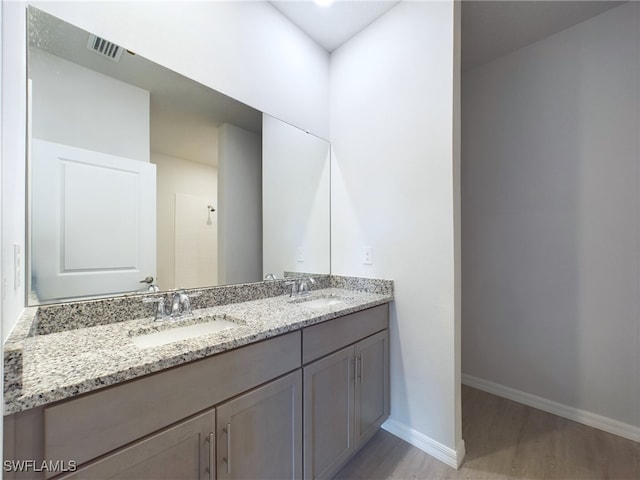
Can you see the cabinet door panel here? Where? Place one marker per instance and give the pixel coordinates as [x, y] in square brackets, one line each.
[179, 452]
[372, 380]
[328, 414]
[260, 432]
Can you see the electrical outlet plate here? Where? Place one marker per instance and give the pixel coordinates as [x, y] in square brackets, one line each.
[300, 256]
[367, 255]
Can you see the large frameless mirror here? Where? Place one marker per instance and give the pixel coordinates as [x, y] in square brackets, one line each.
[137, 172]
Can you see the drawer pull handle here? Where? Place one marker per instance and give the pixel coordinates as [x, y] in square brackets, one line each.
[354, 363]
[212, 456]
[227, 431]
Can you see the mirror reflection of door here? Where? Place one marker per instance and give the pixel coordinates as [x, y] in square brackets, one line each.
[93, 221]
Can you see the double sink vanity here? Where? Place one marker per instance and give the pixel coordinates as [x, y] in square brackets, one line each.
[255, 383]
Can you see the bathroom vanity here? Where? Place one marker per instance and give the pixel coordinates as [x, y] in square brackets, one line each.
[292, 391]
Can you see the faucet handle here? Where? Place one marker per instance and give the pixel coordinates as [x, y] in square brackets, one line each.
[303, 288]
[190, 294]
[186, 304]
[180, 305]
[294, 287]
[159, 300]
[161, 312]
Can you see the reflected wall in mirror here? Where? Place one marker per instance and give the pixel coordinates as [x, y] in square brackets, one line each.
[296, 213]
[137, 171]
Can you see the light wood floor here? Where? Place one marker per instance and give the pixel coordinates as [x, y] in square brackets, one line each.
[504, 439]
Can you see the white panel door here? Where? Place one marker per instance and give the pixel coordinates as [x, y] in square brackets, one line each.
[93, 222]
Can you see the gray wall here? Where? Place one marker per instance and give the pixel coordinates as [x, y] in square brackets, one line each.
[239, 206]
[550, 220]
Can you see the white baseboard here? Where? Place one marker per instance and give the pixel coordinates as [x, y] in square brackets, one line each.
[600, 422]
[451, 457]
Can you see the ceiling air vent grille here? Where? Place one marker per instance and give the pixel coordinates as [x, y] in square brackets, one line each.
[104, 47]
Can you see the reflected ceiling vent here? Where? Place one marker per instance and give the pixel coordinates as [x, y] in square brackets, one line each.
[104, 47]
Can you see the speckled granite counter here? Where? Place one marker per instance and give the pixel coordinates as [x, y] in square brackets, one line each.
[43, 368]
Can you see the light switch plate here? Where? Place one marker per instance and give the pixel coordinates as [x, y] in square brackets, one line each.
[17, 269]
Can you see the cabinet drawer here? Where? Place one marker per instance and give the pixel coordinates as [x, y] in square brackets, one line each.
[185, 451]
[89, 426]
[324, 338]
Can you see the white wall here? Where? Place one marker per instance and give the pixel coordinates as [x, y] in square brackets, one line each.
[239, 206]
[175, 176]
[12, 224]
[295, 199]
[75, 106]
[393, 188]
[246, 50]
[254, 55]
[550, 220]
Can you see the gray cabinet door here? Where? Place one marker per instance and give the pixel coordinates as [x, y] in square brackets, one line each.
[328, 414]
[184, 451]
[372, 385]
[260, 432]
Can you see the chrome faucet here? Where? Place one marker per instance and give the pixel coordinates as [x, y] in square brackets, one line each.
[173, 307]
[300, 286]
[180, 305]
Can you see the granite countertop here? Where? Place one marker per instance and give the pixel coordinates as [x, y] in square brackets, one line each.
[64, 364]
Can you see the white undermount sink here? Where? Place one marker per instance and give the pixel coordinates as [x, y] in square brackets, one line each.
[176, 333]
[323, 302]
[320, 301]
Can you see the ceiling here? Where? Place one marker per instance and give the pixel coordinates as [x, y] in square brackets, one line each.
[332, 26]
[490, 29]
